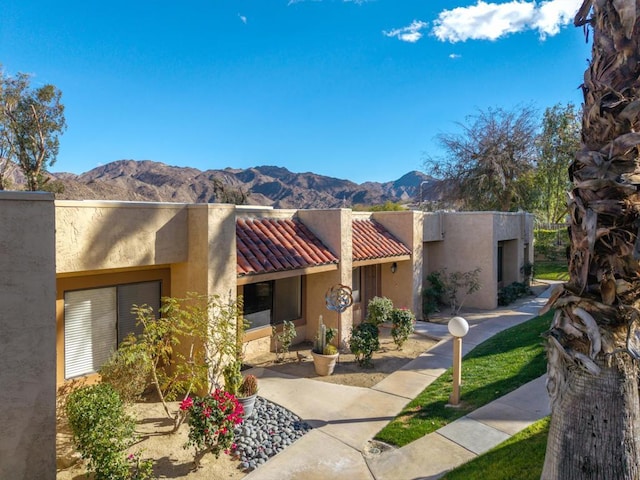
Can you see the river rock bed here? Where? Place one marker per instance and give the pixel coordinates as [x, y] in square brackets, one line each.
[269, 430]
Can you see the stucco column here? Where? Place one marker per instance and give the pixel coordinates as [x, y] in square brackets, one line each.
[404, 287]
[210, 268]
[27, 335]
[333, 228]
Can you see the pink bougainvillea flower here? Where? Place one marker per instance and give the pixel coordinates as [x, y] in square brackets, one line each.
[186, 404]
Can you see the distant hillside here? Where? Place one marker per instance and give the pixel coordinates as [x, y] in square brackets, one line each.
[266, 185]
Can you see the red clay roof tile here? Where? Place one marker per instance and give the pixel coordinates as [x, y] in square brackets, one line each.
[371, 240]
[266, 245]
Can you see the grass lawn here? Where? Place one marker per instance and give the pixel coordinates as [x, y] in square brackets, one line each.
[519, 458]
[494, 368]
[551, 270]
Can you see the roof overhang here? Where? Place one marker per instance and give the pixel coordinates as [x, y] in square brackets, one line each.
[377, 261]
[266, 277]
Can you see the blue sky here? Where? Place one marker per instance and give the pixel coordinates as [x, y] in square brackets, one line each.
[350, 89]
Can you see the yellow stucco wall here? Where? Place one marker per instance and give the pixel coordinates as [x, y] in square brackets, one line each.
[108, 235]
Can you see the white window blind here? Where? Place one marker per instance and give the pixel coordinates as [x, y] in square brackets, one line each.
[135, 294]
[89, 329]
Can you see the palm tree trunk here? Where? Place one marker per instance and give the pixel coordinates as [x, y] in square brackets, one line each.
[594, 340]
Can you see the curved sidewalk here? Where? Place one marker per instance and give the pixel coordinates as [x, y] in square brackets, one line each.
[345, 418]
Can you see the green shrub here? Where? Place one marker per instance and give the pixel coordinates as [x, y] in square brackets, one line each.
[432, 294]
[449, 288]
[363, 342]
[511, 293]
[379, 310]
[102, 431]
[403, 325]
[128, 371]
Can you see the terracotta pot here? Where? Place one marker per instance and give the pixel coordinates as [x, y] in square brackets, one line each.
[248, 404]
[324, 364]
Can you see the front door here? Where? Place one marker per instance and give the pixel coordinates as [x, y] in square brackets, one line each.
[370, 285]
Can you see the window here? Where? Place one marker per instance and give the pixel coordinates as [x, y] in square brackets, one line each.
[355, 282]
[500, 265]
[97, 320]
[273, 302]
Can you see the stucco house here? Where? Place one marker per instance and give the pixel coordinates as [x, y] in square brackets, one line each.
[87, 262]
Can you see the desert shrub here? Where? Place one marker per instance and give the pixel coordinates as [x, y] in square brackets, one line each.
[207, 328]
[363, 342]
[379, 310]
[284, 338]
[128, 371]
[403, 325]
[102, 431]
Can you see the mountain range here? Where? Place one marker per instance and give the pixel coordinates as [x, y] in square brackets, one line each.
[146, 180]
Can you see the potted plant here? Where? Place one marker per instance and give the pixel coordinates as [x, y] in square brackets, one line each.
[244, 388]
[324, 354]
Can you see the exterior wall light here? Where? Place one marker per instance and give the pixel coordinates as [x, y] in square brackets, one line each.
[394, 267]
[458, 327]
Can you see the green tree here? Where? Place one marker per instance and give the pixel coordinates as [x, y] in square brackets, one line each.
[483, 166]
[558, 143]
[32, 119]
[593, 344]
[6, 150]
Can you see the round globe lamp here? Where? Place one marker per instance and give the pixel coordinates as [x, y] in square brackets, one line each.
[458, 327]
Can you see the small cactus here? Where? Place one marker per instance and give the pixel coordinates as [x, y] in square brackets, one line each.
[249, 386]
[330, 350]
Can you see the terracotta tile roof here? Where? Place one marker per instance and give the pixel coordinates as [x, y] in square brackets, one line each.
[371, 240]
[266, 245]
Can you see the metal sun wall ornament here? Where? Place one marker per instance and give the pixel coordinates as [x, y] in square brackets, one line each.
[338, 298]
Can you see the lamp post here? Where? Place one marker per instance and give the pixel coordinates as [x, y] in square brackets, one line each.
[458, 327]
[422, 184]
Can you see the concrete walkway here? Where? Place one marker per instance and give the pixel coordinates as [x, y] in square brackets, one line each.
[345, 419]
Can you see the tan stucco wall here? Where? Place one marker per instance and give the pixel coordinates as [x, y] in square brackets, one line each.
[27, 335]
[99, 235]
[209, 254]
[470, 240]
[404, 286]
[334, 229]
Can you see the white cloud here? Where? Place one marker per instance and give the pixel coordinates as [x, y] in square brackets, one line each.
[454, 56]
[410, 34]
[490, 21]
[242, 18]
